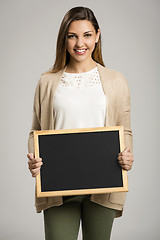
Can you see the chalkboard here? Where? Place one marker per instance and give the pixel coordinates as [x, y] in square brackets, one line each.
[80, 161]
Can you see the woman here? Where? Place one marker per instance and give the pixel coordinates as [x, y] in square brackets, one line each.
[78, 92]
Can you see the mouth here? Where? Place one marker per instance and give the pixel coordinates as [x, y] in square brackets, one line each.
[80, 51]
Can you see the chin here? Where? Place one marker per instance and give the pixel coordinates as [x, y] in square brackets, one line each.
[80, 57]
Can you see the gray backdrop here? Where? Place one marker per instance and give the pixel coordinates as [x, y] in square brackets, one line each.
[130, 42]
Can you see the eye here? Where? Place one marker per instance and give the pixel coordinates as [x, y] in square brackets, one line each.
[88, 35]
[71, 36]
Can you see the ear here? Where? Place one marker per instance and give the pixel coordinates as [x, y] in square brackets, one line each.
[97, 35]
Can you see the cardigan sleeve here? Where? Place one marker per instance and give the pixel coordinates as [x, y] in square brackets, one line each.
[35, 119]
[124, 112]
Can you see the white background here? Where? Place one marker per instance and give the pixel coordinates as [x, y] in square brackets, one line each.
[130, 44]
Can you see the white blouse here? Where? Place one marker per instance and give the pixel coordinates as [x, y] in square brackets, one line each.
[79, 101]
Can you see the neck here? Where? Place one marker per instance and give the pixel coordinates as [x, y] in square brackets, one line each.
[80, 67]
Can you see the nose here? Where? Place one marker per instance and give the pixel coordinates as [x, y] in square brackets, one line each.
[79, 42]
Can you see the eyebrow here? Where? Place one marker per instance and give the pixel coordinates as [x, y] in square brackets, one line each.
[84, 32]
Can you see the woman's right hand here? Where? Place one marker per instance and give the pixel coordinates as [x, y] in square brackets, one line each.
[34, 164]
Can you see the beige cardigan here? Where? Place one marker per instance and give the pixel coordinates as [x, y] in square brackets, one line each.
[117, 95]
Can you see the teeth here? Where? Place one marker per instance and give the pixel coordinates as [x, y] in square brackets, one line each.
[81, 50]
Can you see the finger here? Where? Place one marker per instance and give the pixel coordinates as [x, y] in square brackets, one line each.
[34, 165]
[125, 163]
[125, 158]
[120, 154]
[37, 165]
[128, 161]
[127, 149]
[34, 171]
[128, 154]
[35, 174]
[38, 160]
[35, 160]
[126, 167]
[124, 151]
[30, 155]
[125, 155]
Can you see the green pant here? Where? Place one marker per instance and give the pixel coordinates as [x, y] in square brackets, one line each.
[62, 222]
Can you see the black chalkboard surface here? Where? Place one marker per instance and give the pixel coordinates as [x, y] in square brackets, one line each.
[80, 161]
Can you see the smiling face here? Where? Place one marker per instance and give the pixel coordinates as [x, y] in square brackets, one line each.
[81, 39]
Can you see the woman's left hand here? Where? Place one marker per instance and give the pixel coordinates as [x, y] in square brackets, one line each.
[125, 159]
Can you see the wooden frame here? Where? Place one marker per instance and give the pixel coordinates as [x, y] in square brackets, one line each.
[49, 193]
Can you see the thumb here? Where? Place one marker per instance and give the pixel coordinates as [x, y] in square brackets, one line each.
[126, 149]
[30, 155]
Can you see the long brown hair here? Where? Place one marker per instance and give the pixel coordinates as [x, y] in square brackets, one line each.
[62, 55]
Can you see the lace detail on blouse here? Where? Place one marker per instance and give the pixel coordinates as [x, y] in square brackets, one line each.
[81, 80]
[79, 101]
